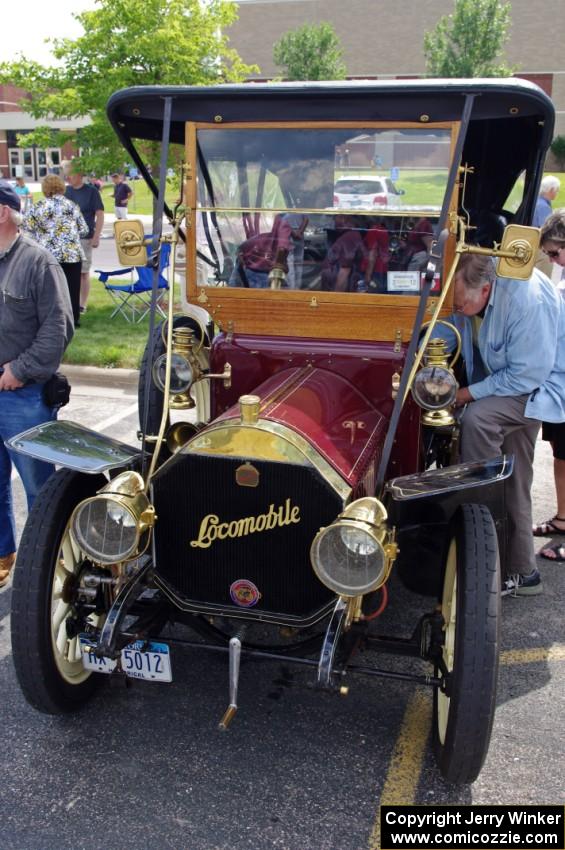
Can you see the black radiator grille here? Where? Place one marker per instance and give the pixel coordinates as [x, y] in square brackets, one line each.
[276, 561]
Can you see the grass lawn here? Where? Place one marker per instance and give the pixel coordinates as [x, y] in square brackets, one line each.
[421, 186]
[101, 341]
[141, 202]
[426, 187]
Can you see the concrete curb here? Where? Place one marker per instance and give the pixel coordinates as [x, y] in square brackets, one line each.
[122, 378]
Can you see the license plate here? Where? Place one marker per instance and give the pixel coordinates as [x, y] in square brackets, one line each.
[140, 660]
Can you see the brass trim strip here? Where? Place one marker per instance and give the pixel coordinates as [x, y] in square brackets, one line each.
[398, 212]
[297, 442]
[290, 383]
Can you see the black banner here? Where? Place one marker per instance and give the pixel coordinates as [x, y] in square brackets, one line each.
[463, 827]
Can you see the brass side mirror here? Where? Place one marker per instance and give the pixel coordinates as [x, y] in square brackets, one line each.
[130, 242]
[517, 252]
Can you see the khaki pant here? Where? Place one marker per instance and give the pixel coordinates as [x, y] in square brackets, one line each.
[497, 425]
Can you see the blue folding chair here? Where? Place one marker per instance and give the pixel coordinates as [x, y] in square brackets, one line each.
[133, 300]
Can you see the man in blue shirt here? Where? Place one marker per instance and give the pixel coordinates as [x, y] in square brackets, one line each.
[548, 191]
[517, 329]
[122, 194]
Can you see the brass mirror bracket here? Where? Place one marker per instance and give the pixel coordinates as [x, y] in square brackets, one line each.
[130, 242]
[516, 253]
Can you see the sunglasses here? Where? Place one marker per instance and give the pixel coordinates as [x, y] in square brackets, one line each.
[552, 254]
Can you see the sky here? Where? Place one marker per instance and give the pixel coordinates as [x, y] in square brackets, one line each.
[25, 27]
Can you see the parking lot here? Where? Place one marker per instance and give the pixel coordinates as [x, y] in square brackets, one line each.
[145, 767]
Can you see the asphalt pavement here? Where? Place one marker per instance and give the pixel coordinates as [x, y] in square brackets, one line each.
[145, 768]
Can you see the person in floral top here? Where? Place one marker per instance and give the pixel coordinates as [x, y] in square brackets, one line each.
[57, 224]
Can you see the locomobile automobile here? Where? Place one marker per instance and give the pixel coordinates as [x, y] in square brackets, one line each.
[298, 450]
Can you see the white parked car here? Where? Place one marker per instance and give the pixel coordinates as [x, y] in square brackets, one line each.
[365, 192]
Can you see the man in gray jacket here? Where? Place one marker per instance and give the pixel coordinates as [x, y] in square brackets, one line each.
[36, 325]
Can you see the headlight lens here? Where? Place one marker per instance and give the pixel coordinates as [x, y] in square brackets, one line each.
[434, 387]
[348, 556]
[108, 526]
[181, 373]
[358, 541]
[105, 529]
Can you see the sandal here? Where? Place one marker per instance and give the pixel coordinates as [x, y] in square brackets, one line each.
[548, 528]
[558, 553]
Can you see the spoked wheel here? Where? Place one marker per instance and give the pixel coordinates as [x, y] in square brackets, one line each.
[45, 647]
[200, 390]
[470, 605]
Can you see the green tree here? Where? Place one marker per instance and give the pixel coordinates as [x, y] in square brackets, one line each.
[124, 43]
[469, 42]
[557, 148]
[311, 52]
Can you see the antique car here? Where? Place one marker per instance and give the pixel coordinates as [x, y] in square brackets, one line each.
[298, 446]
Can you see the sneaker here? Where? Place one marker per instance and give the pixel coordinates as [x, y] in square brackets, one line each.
[519, 585]
[6, 564]
[82, 309]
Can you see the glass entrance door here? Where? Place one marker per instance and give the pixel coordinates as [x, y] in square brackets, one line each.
[22, 163]
[34, 164]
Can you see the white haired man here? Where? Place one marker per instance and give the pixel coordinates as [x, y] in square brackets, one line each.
[516, 329]
[36, 324]
[549, 189]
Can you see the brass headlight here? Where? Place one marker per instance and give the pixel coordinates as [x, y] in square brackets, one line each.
[349, 556]
[181, 373]
[108, 527]
[434, 387]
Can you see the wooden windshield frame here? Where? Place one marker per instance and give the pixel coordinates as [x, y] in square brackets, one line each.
[314, 314]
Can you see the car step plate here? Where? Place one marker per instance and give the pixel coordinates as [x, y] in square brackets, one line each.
[140, 660]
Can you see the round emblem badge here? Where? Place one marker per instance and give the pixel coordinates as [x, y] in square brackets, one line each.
[244, 593]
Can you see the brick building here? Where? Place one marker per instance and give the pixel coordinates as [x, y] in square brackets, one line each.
[381, 39]
[31, 163]
[384, 38]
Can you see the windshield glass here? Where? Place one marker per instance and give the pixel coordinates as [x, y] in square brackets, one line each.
[335, 209]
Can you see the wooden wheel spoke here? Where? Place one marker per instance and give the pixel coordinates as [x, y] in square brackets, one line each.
[59, 615]
[61, 641]
[75, 654]
[70, 555]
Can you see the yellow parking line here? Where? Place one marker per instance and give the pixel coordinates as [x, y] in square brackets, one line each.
[533, 656]
[403, 774]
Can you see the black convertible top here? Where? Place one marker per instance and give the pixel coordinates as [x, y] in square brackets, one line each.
[137, 112]
[510, 130]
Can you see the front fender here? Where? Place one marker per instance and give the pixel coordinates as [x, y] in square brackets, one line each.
[421, 507]
[72, 446]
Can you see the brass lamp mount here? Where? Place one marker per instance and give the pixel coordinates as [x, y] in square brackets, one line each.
[184, 343]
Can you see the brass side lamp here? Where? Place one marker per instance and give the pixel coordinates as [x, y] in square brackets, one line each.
[435, 386]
